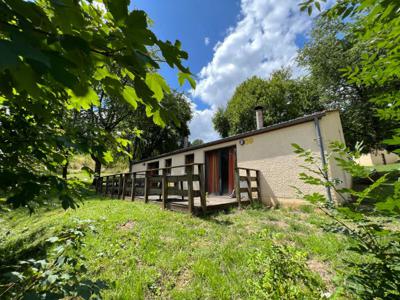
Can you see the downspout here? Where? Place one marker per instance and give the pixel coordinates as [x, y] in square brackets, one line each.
[323, 159]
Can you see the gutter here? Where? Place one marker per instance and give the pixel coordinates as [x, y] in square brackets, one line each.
[323, 159]
[277, 126]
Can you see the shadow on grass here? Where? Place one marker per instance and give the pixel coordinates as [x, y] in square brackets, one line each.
[35, 268]
[12, 253]
[212, 216]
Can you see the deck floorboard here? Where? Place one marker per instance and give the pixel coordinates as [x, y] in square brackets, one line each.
[214, 203]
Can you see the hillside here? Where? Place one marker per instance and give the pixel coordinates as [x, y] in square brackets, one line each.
[140, 251]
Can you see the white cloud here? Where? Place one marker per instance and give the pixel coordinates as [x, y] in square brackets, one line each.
[206, 40]
[263, 40]
[201, 125]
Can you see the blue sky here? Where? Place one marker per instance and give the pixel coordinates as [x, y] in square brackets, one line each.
[227, 41]
[197, 24]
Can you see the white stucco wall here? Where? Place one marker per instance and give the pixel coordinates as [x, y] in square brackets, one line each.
[375, 158]
[331, 130]
[271, 153]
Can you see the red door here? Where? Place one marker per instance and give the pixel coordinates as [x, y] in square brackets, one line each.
[212, 171]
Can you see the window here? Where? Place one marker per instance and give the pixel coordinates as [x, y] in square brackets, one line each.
[189, 159]
[153, 167]
[168, 165]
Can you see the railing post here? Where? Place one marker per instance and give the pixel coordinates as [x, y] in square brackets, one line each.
[237, 187]
[248, 180]
[203, 200]
[164, 188]
[96, 180]
[113, 185]
[258, 175]
[123, 186]
[120, 186]
[189, 175]
[133, 187]
[100, 188]
[107, 186]
[146, 187]
[181, 185]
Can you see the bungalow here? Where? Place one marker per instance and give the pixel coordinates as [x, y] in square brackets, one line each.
[267, 151]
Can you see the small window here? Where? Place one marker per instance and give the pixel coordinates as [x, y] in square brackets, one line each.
[189, 159]
[168, 165]
[153, 167]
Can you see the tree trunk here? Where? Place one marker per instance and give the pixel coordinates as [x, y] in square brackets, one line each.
[65, 170]
[130, 165]
[97, 169]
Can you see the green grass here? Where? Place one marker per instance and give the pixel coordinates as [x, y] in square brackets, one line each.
[387, 168]
[170, 255]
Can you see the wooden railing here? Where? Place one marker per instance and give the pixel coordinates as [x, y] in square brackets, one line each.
[248, 176]
[151, 182]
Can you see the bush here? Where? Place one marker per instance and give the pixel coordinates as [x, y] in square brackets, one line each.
[283, 274]
[60, 275]
[377, 276]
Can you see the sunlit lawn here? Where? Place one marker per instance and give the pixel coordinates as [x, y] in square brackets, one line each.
[163, 254]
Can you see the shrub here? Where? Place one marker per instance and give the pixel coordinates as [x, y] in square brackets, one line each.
[377, 275]
[60, 275]
[283, 274]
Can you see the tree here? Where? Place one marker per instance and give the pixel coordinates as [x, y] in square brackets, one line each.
[221, 122]
[376, 31]
[325, 55]
[52, 56]
[197, 142]
[281, 97]
[153, 139]
[102, 128]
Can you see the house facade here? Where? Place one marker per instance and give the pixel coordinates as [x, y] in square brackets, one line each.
[378, 157]
[267, 149]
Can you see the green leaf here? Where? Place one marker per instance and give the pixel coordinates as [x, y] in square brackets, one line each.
[87, 170]
[51, 279]
[101, 73]
[157, 119]
[8, 57]
[107, 157]
[53, 239]
[185, 76]
[118, 9]
[157, 85]
[84, 101]
[130, 96]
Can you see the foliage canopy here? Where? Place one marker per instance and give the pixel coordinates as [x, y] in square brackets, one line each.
[53, 55]
[281, 97]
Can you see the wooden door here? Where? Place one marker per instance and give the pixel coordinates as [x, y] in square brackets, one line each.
[231, 169]
[213, 171]
[220, 168]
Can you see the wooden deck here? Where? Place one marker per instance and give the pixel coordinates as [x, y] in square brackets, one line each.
[214, 203]
[180, 192]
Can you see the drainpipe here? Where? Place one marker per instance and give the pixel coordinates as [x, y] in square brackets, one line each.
[323, 159]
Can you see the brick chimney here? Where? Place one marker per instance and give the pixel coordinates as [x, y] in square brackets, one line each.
[259, 117]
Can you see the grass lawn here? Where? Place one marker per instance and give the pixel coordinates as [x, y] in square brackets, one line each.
[387, 168]
[143, 252]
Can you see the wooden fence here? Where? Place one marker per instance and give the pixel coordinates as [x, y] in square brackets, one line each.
[152, 183]
[251, 178]
[167, 186]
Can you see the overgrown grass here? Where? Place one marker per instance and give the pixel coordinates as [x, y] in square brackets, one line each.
[387, 168]
[145, 252]
[78, 161]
